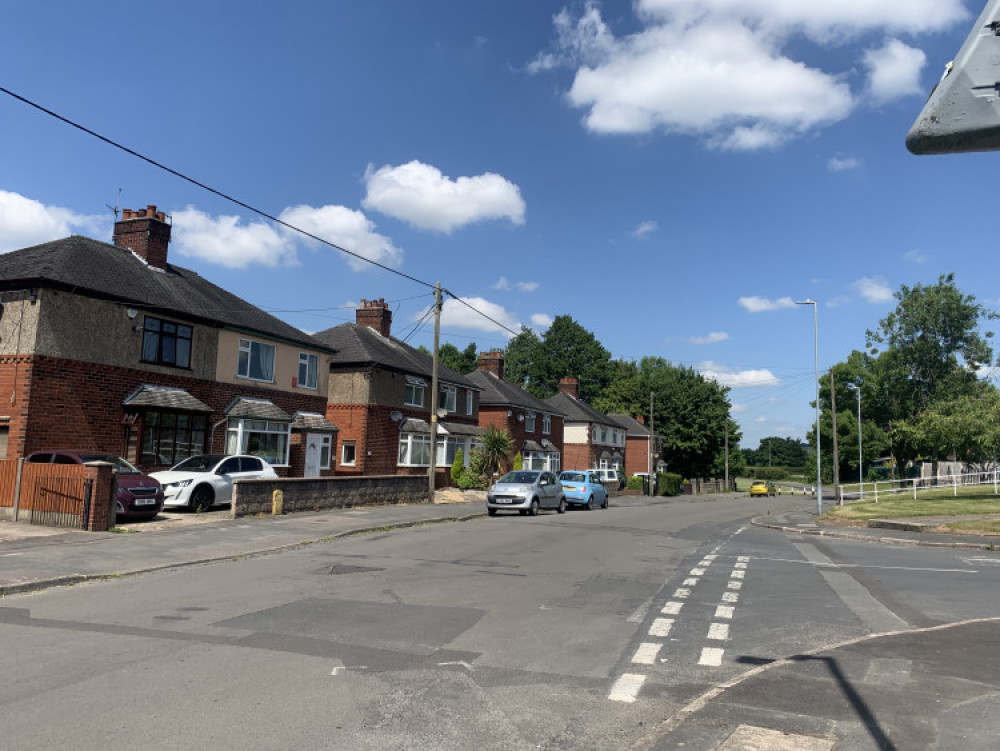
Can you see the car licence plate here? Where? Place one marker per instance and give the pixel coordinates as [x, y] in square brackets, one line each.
[145, 501]
[504, 500]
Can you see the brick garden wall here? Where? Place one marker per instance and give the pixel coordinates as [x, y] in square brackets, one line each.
[252, 497]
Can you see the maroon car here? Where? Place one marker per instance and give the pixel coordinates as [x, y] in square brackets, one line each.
[139, 495]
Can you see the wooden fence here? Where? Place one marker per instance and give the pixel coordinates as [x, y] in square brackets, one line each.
[54, 495]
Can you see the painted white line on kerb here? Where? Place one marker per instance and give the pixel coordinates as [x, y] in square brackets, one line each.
[737, 574]
[697, 572]
[724, 611]
[627, 687]
[711, 656]
[733, 584]
[730, 597]
[718, 631]
[646, 653]
[672, 608]
[740, 564]
[682, 594]
[661, 627]
[690, 582]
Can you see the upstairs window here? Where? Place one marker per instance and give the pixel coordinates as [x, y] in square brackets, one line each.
[447, 398]
[256, 361]
[468, 402]
[414, 396]
[529, 422]
[546, 424]
[166, 343]
[308, 370]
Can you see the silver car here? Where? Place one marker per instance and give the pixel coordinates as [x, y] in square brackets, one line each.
[526, 490]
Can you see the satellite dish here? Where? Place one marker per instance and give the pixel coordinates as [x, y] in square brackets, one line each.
[395, 415]
[442, 412]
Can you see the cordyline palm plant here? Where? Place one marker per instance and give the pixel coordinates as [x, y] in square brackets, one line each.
[496, 446]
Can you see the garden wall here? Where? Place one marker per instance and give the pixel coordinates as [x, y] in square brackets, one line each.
[251, 497]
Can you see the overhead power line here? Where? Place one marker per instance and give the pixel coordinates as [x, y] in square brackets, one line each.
[243, 204]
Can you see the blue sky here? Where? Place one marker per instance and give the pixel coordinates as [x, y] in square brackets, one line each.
[673, 174]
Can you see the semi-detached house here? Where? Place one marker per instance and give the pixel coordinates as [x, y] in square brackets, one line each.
[591, 439]
[113, 348]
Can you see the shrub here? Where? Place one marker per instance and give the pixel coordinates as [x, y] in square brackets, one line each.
[635, 483]
[457, 466]
[668, 483]
[518, 461]
[768, 473]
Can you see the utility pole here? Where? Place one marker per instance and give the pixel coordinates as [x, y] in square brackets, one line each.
[727, 453]
[836, 454]
[651, 444]
[434, 391]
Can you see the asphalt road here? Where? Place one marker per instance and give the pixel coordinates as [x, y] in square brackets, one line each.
[646, 625]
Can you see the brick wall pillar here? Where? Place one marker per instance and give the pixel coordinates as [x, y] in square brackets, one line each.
[104, 490]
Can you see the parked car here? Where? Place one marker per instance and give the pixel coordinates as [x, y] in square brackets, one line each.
[762, 488]
[199, 482]
[611, 476]
[526, 490]
[140, 496]
[583, 488]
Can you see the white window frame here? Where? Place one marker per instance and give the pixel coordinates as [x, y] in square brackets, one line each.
[247, 348]
[240, 429]
[546, 424]
[469, 402]
[343, 454]
[414, 394]
[325, 451]
[309, 366]
[529, 422]
[411, 444]
[448, 398]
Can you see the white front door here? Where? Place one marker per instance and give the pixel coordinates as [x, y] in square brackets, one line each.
[313, 443]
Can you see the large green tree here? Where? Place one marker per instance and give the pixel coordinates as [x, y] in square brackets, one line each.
[462, 361]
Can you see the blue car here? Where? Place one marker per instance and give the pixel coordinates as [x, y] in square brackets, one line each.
[584, 488]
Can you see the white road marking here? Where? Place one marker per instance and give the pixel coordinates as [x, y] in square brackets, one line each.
[661, 627]
[711, 656]
[682, 594]
[338, 669]
[718, 631]
[711, 557]
[690, 582]
[639, 614]
[704, 562]
[646, 653]
[724, 611]
[740, 564]
[627, 687]
[733, 584]
[730, 597]
[697, 572]
[830, 564]
[465, 665]
[743, 559]
[737, 574]
[672, 608]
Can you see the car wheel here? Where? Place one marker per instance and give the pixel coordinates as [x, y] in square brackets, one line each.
[605, 504]
[533, 511]
[561, 509]
[590, 503]
[202, 498]
[491, 511]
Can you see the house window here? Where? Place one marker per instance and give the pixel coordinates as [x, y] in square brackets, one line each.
[468, 402]
[414, 450]
[529, 422]
[447, 398]
[263, 438]
[414, 392]
[168, 437]
[166, 343]
[349, 453]
[546, 424]
[256, 361]
[325, 442]
[308, 370]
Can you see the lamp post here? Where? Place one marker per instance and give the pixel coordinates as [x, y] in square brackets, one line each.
[861, 474]
[819, 475]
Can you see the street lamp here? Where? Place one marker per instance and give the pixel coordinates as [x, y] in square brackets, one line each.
[819, 476]
[861, 474]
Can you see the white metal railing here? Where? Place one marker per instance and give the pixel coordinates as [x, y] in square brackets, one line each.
[891, 488]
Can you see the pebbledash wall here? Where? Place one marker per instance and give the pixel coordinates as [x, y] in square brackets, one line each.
[253, 497]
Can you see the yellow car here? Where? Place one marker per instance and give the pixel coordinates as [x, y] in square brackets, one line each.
[762, 488]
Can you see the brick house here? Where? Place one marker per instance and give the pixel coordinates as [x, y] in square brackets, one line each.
[591, 439]
[379, 396]
[113, 348]
[536, 427]
[637, 443]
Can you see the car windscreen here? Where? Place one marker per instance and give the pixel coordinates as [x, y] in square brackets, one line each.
[200, 463]
[519, 478]
[123, 467]
[573, 477]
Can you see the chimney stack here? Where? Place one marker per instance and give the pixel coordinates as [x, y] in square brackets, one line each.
[570, 386]
[640, 419]
[375, 314]
[146, 233]
[492, 362]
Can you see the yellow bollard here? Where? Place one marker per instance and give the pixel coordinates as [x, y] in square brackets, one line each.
[277, 503]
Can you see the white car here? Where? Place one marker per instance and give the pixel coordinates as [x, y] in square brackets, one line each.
[199, 482]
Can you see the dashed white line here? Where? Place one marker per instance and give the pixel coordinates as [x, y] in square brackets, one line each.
[627, 687]
[704, 562]
[682, 594]
[697, 572]
[711, 656]
[646, 653]
[724, 611]
[737, 574]
[672, 608]
[711, 557]
[718, 631]
[740, 564]
[661, 627]
[730, 597]
[690, 582]
[733, 584]
[743, 559]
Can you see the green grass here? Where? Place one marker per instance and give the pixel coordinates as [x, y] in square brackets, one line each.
[927, 503]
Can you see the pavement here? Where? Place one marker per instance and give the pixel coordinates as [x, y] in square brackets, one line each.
[925, 688]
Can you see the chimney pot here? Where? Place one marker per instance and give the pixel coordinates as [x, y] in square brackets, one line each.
[146, 233]
[570, 386]
[374, 314]
[492, 362]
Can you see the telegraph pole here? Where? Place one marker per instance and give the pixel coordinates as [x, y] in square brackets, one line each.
[652, 442]
[836, 453]
[434, 391]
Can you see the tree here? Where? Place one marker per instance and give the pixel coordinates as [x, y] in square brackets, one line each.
[519, 356]
[566, 350]
[461, 361]
[495, 447]
[967, 428]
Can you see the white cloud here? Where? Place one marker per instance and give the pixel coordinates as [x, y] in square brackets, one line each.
[739, 409]
[224, 240]
[761, 304]
[421, 195]
[726, 376]
[503, 284]
[842, 164]
[464, 315]
[894, 71]
[838, 301]
[916, 256]
[710, 338]
[25, 222]
[727, 70]
[348, 229]
[541, 321]
[644, 229]
[873, 290]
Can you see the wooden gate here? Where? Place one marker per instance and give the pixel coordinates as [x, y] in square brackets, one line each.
[54, 495]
